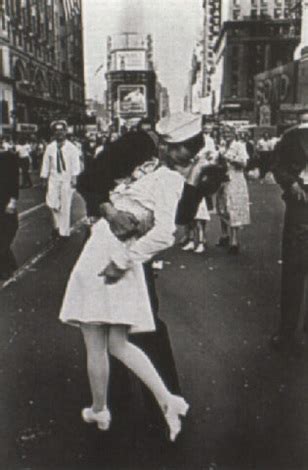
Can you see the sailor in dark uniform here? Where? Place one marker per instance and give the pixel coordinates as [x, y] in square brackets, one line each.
[291, 172]
[9, 175]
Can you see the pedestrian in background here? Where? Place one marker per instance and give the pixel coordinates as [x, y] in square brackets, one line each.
[264, 148]
[60, 168]
[9, 176]
[34, 153]
[198, 229]
[101, 142]
[23, 150]
[291, 172]
[233, 197]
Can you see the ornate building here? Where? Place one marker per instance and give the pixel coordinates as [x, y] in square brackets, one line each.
[254, 36]
[41, 63]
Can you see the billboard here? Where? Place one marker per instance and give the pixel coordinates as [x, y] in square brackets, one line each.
[130, 60]
[273, 89]
[132, 100]
[277, 85]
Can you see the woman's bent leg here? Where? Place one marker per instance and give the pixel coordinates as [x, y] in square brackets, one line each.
[134, 358]
[96, 342]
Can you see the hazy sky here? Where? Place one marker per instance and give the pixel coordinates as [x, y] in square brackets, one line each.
[174, 25]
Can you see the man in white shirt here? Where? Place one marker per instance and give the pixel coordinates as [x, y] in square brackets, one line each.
[23, 150]
[209, 150]
[264, 148]
[60, 167]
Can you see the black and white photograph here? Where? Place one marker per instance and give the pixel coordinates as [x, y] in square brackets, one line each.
[153, 234]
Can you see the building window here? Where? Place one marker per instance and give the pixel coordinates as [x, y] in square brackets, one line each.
[278, 13]
[254, 3]
[236, 14]
[4, 112]
[3, 22]
[254, 13]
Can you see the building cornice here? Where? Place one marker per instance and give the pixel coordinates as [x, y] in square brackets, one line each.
[243, 23]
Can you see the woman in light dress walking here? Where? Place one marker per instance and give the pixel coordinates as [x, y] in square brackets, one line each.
[233, 196]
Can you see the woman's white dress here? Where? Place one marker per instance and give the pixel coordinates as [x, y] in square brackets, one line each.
[203, 212]
[87, 298]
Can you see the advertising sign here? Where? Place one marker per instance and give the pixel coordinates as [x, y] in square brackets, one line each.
[26, 128]
[130, 60]
[132, 100]
[276, 86]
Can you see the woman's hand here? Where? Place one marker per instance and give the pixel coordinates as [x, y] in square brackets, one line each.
[112, 273]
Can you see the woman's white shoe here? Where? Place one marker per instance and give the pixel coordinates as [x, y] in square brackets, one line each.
[200, 248]
[102, 418]
[175, 409]
[190, 246]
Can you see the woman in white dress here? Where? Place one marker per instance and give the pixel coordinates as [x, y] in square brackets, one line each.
[107, 297]
[233, 196]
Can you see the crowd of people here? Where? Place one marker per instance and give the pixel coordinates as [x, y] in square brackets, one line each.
[146, 190]
[232, 157]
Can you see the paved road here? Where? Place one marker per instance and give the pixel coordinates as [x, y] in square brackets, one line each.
[35, 221]
[249, 406]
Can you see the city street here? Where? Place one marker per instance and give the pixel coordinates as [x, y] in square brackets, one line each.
[249, 404]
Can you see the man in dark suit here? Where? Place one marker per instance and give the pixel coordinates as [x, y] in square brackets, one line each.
[9, 175]
[291, 172]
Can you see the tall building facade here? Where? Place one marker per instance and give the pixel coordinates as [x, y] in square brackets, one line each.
[163, 102]
[254, 36]
[41, 63]
[245, 9]
[211, 29]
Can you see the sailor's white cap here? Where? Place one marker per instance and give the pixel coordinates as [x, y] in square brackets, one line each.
[58, 125]
[179, 127]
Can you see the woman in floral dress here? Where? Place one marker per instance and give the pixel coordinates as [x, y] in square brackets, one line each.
[233, 196]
